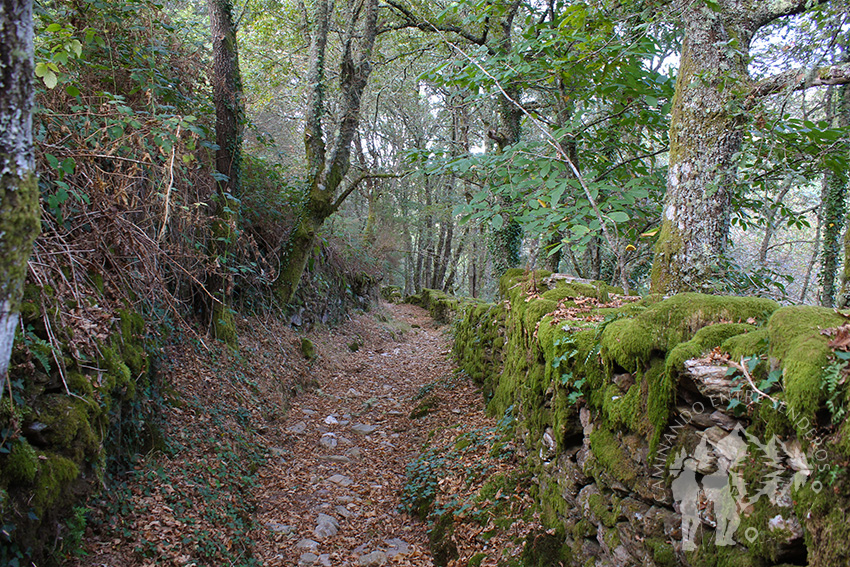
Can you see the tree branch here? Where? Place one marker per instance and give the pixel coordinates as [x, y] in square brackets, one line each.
[411, 21]
[357, 181]
[800, 79]
[768, 10]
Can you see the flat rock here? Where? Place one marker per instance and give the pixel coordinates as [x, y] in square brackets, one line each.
[363, 429]
[307, 544]
[280, 528]
[326, 526]
[335, 458]
[343, 511]
[397, 547]
[341, 480]
[354, 453]
[325, 560]
[329, 440]
[308, 559]
[298, 428]
[331, 420]
[373, 559]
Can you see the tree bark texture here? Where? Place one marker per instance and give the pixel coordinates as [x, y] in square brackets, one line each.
[228, 136]
[713, 91]
[19, 208]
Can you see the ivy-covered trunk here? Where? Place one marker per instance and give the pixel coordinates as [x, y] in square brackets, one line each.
[328, 164]
[228, 157]
[19, 209]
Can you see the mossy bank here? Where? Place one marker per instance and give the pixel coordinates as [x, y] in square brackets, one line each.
[68, 420]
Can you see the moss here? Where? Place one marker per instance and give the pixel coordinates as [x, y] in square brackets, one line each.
[624, 410]
[79, 383]
[754, 343]
[545, 549]
[52, 486]
[662, 552]
[443, 547]
[628, 342]
[20, 216]
[476, 560]
[68, 425]
[796, 341]
[308, 349]
[224, 325]
[610, 455]
[21, 464]
[425, 407]
[604, 509]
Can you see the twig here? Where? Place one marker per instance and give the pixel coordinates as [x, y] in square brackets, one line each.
[168, 191]
[743, 368]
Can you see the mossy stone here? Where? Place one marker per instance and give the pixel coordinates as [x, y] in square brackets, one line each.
[308, 349]
[21, 464]
[797, 342]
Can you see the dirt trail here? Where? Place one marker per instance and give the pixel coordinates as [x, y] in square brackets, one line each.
[330, 494]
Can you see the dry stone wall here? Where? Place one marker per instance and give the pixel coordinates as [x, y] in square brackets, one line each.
[693, 430]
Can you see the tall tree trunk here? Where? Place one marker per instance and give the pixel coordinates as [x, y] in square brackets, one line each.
[327, 165]
[19, 209]
[227, 95]
[505, 242]
[835, 201]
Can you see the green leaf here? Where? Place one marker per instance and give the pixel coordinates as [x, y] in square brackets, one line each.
[497, 222]
[72, 90]
[618, 216]
[50, 79]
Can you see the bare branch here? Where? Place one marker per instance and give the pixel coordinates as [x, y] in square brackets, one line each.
[800, 79]
[411, 21]
[357, 181]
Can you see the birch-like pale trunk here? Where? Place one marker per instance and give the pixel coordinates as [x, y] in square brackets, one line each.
[19, 209]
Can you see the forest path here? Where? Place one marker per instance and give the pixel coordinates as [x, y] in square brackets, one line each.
[330, 495]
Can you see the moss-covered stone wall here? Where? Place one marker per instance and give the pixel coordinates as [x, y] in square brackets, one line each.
[611, 394]
[68, 420]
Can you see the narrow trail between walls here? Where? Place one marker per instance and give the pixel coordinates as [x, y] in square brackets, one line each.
[330, 494]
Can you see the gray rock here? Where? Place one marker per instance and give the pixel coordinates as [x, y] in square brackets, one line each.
[343, 511]
[341, 480]
[373, 559]
[308, 559]
[326, 526]
[298, 428]
[335, 458]
[354, 453]
[329, 441]
[280, 528]
[363, 429]
[308, 544]
[325, 560]
[397, 547]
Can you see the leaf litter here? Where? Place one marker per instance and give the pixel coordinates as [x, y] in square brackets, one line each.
[267, 458]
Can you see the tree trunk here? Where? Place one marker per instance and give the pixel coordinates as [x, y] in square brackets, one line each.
[713, 92]
[705, 134]
[19, 209]
[227, 91]
[835, 203]
[327, 165]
